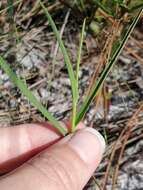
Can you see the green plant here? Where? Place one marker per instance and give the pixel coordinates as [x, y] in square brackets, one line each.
[67, 62]
[20, 84]
[77, 114]
[106, 71]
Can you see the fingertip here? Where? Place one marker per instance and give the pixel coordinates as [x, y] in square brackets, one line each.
[89, 144]
[98, 136]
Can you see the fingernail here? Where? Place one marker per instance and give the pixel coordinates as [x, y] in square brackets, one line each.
[89, 144]
[98, 135]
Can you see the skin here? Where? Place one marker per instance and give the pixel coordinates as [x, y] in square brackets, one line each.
[46, 159]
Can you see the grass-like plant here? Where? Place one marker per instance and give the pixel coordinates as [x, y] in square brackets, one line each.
[77, 113]
[106, 71]
[24, 89]
[73, 77]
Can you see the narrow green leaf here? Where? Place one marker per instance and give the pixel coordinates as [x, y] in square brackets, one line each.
[65, 55]
[80, 50]
[77, 74]
[106, 71]
[18, 82]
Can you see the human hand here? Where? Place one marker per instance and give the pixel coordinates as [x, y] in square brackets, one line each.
[60, 163]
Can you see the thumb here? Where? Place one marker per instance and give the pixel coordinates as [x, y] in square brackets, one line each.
[68, 165]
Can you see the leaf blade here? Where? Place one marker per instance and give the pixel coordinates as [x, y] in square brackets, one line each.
[18, 82]
[80, 49]
[77, 73]
[106, 71]
[73, 81]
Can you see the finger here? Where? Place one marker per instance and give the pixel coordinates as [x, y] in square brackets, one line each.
[18, 144]
[67, 165]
